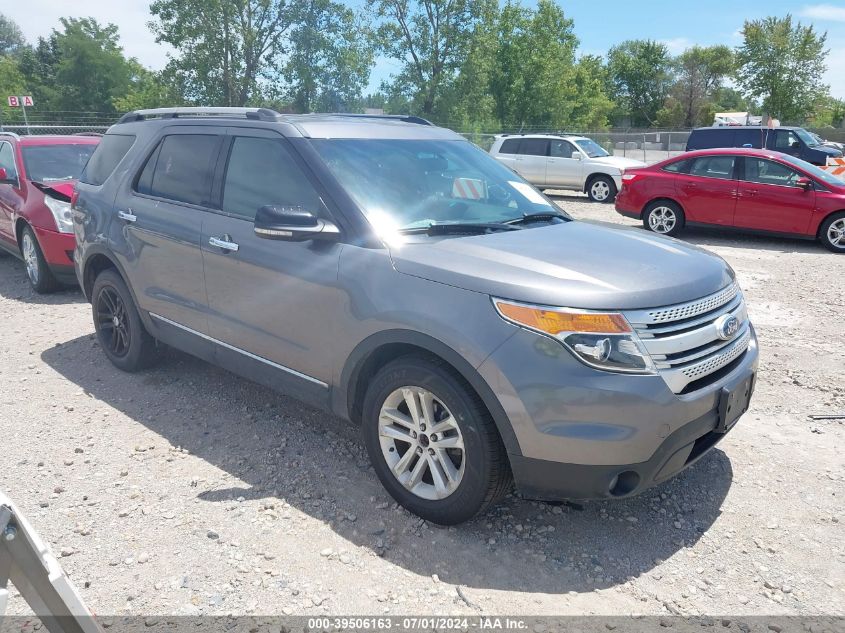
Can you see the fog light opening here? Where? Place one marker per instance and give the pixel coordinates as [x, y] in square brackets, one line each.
[624, 483]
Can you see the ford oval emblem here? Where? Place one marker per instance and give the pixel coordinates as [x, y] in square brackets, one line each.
[726, 326]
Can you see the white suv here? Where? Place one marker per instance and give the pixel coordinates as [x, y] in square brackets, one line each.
[551, 161]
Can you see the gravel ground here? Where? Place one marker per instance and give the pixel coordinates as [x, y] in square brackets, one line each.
[186, 490]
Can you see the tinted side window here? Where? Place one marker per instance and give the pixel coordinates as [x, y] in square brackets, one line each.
[510, 146]
[110, 151]
[713, 167]
[678, 167]
[786, 139]
[7, 160]
[749, 138]
[767, 172]
[262, 172]
[179, 169]
[708, 139]
[561, 149]
[534, 146]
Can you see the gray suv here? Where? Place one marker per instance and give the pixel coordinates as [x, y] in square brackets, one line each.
[390, 272]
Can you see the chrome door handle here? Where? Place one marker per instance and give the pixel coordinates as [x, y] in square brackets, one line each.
[127, 215]
[223, 243]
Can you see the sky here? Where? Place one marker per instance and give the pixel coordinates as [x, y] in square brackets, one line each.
[677, 24]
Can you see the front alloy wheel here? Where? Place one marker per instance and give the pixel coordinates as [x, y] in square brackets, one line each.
[602, 189]
[833, 234]
[40, 276]
[421, 443]
[432, 442]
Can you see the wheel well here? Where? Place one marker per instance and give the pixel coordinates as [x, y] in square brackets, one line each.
[825, 219]
[93, 267]
[374, 361]
[663, 199]
[593, 176]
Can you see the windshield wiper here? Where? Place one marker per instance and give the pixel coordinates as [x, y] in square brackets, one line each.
[537, 217]
[460, 228]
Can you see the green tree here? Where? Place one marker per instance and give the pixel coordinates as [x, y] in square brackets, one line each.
[12, 82]
[781, 63]
[148, 89]
[330, 58]
[700, 72]
[430, 38]
[38, 65]
[91, 70]
[225, 46]
[592, 103]
[640, 75]
[11, 36]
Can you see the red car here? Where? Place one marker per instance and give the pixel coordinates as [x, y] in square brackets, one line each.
[37, 175]
[747, 189]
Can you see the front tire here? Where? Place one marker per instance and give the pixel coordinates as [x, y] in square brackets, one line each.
[832, 233]
[120, 331]
[38, 272]
[601, 189]
[664, 217]
[432, 441]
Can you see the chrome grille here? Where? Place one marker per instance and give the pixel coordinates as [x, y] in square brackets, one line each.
[683, 340]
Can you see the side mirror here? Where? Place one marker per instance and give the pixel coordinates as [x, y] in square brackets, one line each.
[577, 155]
[4, 178]
[293, 224]
[805, 183]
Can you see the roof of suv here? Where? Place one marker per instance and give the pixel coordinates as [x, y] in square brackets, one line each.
[748, 127]
[349, 126]
[569, 137]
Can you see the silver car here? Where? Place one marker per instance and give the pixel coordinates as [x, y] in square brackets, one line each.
[394, 274]
[552, 161]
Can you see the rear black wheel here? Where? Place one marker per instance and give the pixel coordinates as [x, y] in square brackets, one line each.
[120, 331]
[664, 217]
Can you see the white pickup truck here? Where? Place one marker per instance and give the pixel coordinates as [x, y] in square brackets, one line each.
[551, 161]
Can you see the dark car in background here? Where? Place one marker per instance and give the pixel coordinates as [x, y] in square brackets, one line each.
[748, 189]
[37, 176]
[795, 141]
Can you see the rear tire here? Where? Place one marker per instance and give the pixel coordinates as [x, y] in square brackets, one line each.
[664, 217]
[432, 441]
[38, 272]
[601, 189]
[120, 332]
[832, 233]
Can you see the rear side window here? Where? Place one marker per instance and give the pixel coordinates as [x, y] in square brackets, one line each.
[713, 167]
[262, 172]
[708, 139]
[110, 151]
[510, 146]
[534, 147]
[678, 167]
[749, 138]
[180, 169]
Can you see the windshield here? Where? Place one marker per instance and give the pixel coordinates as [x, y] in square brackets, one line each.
[814, 171]
[805, 136]
[407, 184]
[45, 163]
[591, 148]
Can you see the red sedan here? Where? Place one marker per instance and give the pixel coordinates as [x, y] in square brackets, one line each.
[747, 189]
[37, 175]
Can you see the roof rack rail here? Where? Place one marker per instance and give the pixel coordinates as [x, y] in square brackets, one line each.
[260, 114]
[12, 134]
[406, 118]
[88, 134]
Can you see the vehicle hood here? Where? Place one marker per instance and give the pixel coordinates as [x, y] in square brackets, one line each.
[576, 264]
[618, 162]
[60, 190]
[830, 151]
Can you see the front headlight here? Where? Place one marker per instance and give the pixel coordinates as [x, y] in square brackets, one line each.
[604, 340]
[61, 212]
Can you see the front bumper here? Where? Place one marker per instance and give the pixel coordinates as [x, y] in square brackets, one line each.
[58, 253]
[586, 434]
